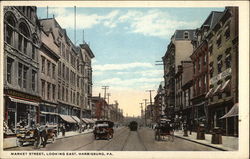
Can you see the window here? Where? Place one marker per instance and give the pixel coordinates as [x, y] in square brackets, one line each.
[20, 69]
[63, 71]
[9, 69]
[53, 71]
[218, 42]
[10, 24]
[59, 92]
[53, 92]
[48, 68]
[186, 35]
[219, 63]
[43, 64]
[34, 48]
[59, 68]
[67, 94]
[33, 80]
[62, 93]
[20, 41]
[227, 31]
[23, 38]
[63, 50]
[48, 91]
[43, 88]
[22, 75]
[210, 50]
[228, 58]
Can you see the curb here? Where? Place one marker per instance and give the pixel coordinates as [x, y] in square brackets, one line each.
[56, 139]
[218, 148]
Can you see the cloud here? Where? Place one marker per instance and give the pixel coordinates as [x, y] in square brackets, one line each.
[145, 73]
[107, 67]
[154, 22]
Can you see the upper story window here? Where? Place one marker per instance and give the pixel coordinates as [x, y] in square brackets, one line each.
[186, 35]
[219, 63]
[22, 75]
[227, 30]
[43, 64]
[218, 41]
[33, 55]
[53, 71]
[23, 37]
[48, 68]
[9, 69]
[228, 58]
[9, 30]
[33, 80]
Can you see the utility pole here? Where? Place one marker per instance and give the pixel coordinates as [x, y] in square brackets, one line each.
[105, 88]
[145, 100]
[150, 95]
[141, 110]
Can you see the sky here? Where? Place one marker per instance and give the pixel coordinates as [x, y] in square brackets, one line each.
[126, 43]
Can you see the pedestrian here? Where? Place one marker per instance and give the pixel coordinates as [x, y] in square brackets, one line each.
[45, 136]
[37, 136]
[63, 130]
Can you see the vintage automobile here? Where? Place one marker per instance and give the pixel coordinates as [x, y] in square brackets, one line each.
[26, 135]
[103, 129]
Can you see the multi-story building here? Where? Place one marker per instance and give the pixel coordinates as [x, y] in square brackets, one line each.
[183, 89]
[180, 48]
[21, 42]
[159, 109]
[223, 64]
[48, 59]
[200, 69]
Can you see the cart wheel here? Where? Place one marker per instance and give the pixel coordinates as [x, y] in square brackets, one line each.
[53, 139]
[19, 143]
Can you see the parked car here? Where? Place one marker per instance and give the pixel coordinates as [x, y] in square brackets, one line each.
[103, 129]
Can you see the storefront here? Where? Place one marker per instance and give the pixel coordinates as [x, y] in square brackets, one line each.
[21, 110]
[48, 114]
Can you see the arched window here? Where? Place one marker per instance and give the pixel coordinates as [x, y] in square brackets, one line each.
[186, 35]
[23, 37]
[9, 29]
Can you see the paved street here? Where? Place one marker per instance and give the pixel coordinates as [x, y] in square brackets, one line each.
[123, 140]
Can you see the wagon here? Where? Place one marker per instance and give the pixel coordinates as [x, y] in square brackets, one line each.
[103, 129]
[164, 130]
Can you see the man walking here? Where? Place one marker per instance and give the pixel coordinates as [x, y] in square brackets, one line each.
[45, 136]
[37, 136]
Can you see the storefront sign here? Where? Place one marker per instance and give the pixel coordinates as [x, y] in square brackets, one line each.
[21, 95]
[220, 76]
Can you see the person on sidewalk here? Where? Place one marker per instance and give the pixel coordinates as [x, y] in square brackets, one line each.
[45, 136]
[37, 137]
[63, 130]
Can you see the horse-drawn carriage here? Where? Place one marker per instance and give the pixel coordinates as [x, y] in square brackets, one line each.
[164, 129]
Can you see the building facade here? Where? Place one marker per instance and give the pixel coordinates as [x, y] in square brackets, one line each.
[180, 48]
[21, 44]
[223, 63]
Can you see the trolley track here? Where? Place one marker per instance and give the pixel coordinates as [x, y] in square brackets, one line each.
[141, 141]
[126, 141]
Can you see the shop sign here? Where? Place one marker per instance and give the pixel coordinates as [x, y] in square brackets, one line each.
[220, 76]
[21, 95]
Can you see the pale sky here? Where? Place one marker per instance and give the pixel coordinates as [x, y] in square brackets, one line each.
[126, 43]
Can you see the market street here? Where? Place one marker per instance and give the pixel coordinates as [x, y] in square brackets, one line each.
[123, 140]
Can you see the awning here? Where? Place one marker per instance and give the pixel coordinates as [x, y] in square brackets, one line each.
[225, 85]
[23, 101]
[234, 111]
[209, 92]
[217, 88]
[68, 118]
[91, 121]
[199, 104]
[85, 120]
[76, 119]
[51, 113]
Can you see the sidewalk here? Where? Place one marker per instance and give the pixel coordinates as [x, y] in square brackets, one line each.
[11, 142]
[229, 143]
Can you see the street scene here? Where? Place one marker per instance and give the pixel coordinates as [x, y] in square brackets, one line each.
[120, 79]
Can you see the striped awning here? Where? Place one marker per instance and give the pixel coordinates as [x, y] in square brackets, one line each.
[85, 120]
[234, 111]
[23, 101]
[225, 85]
[76, 119]
[217, 88]
[209, 92]
[68, 118]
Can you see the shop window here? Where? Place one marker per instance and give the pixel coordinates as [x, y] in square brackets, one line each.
[33, 81]
[9, 69]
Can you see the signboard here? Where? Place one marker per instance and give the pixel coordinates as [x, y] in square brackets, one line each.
[21, 95]
[220, 76]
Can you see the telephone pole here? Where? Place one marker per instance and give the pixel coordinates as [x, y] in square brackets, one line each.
[150, 95]
[105, 89]
[141, 110]
[108, 94]
[145, 100]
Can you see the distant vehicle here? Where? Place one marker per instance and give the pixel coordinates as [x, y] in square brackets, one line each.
[103, 129]
[133, 126]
